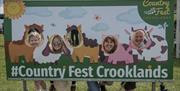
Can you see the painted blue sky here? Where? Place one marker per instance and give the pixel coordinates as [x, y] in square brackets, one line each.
[40, 12]
[100, 27]
[70, 13]
[113, 21]
[131, 16]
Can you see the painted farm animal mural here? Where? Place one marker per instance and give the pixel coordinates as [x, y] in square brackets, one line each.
[151, 46]
[116, 51]
[31, 39]
[140, 38]
[73, 35]
[159, 52]
[55, 45]
[80, 50]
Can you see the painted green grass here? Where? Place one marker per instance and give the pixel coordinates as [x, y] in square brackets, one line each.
[9, 85]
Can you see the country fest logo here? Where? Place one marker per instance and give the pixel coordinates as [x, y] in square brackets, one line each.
[156, 7]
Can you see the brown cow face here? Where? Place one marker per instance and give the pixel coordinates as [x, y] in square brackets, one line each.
[33, 35]
[109, 44]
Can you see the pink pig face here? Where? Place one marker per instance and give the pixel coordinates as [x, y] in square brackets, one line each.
[109, 44]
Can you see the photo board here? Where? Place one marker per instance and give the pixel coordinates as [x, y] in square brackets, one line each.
[111, 40]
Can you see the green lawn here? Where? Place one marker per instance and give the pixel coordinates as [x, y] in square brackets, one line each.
[141, 86]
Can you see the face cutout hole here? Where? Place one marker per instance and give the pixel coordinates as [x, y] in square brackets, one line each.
[57, 43]
[33, 35]
[34, 39]
[109, 44]
[73, 36]
[138, 38]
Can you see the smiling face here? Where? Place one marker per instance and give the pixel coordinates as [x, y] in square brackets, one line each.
[109, 44]
[33, 35]
[57, 43]
[34, 39]
[138, 38]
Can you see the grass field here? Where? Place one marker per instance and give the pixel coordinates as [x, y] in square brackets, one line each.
[6, 85]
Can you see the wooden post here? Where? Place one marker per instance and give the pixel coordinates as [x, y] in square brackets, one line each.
[178, 30]
[24, 85]
[153, 86]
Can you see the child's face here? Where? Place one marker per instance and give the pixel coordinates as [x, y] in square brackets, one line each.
[108, 45]
[56, 43]
[138, 38]
[34, 39]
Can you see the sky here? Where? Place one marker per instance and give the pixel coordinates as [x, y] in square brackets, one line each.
[1, 6]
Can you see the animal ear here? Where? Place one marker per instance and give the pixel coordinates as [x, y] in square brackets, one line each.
[42, 26]
[127, 32]
[145, 28]
[150, 30]
[103, 36]
[68, 26]
[132, 29]
[79, 28]
[26, 27]
[116, 36]
[48, 38]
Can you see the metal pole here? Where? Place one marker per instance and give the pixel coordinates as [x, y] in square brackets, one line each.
[153, 86]
[178, 30]
[24, 85]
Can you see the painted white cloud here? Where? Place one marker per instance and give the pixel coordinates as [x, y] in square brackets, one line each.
[100, 27]
[73, 12]
[131, 17]
[41, 12]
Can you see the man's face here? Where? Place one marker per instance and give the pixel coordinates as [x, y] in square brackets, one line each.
[138, 38]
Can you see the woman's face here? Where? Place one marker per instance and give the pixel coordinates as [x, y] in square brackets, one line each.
[109, 44]
[56, 43]
[138, 38]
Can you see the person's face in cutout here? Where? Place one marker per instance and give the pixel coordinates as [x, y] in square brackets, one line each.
[56, 43]
[138, 38]
[34, 39]
[33, 35]
[109, 45]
